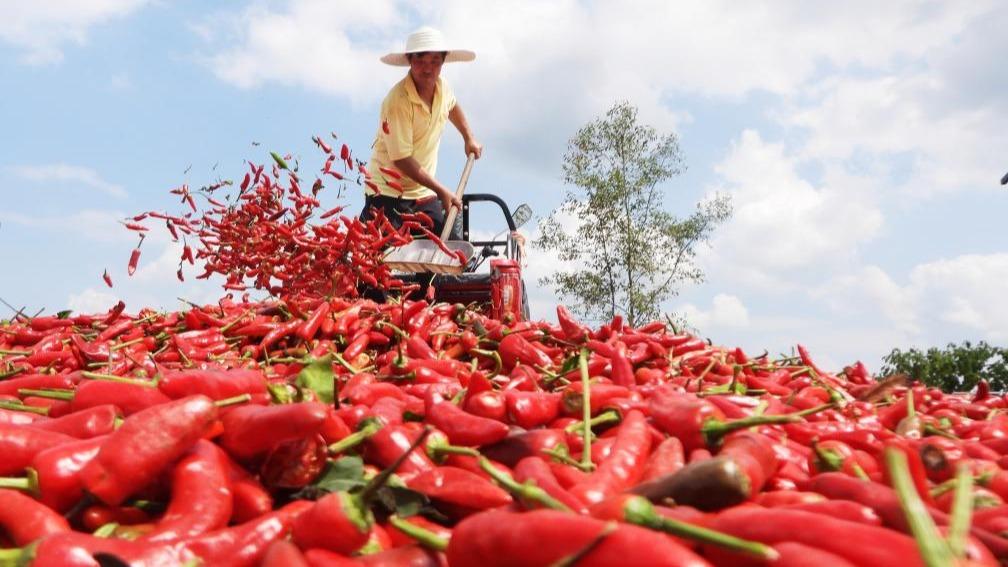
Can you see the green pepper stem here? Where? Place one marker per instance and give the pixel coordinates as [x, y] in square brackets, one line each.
[932, 547]
[830, 459]
[492, 354]
[119, 379]
[17, 483]
[713, 430]
[962, 508]
[380, 479]
[13, 406]
[51, 393]
[424, 536]
[11, 373]
[527, 491]
[10, 556]
[356, 438]
[586, 434]
[233, 401]
[639, 510]
[608, 416]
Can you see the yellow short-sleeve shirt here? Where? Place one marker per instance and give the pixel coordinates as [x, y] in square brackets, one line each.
[413, 130]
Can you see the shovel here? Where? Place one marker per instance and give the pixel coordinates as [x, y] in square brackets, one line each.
[427, 256]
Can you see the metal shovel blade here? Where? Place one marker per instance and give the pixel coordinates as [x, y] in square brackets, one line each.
[427, 256]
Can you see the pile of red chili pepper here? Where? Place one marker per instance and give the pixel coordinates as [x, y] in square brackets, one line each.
[267, 233]
[345, 432]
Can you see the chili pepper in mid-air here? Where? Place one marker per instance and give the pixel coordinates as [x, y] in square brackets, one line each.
[134, 259]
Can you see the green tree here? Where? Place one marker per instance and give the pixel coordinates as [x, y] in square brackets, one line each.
[954, 368]
[630, 254]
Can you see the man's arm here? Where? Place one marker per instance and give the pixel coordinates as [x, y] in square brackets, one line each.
[411, 167]
[458, 119]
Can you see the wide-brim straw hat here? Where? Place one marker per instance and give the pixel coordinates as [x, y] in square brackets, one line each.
[427, 39]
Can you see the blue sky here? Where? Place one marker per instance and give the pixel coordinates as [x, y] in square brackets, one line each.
[861, 143]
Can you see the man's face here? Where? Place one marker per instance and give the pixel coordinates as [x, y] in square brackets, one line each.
[426, 67]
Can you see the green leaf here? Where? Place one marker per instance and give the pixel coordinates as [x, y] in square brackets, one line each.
[279, 160]
[317, 376]
[569, 365]
[279, 393]
[64, 314]
[402, 501]
[342, 475]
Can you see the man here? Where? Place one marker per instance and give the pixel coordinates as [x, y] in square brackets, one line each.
[413, 116]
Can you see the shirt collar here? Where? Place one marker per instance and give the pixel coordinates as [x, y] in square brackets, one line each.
[414, 96]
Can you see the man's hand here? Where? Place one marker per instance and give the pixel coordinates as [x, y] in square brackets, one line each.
[473, 147]
[449, 200]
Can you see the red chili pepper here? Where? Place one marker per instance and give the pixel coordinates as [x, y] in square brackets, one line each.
[697, 423]
[133, 260]
[466, 490]
[201, 496]
[77, 549]
[11, 386]
[311, 325]
[666, 459]
[532, 409]
[147, 442]
[247, 543]
[778, 525]
[253, 430]
[107, 278]
[625, 464]
[84, 424]
[20, 444]
[514, 349]
[538, 471]
[497, 538]
[535, 442]
[464, 428]
[214, 384]
[128, 397]
[25, 520]
[390, 443]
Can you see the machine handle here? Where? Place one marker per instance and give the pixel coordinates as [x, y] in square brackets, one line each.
[450, 221]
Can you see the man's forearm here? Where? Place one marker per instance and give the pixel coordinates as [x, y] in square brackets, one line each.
[458, 119]
[411, 167]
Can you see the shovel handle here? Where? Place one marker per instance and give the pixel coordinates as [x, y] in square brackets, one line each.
[450, 221]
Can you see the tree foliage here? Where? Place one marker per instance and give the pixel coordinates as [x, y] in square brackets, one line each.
[630, 254]
[954, 368]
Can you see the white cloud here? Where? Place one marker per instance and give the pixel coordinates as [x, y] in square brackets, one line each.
[41, 28]
[330, 47]
[99, 226]
[784, 229]
[965, 292]
[869, 291]
[947, 146]
[586, 56]
[726, 311]
[91, 301]
[68, 175]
